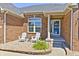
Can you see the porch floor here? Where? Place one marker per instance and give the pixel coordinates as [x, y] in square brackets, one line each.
[21, 47]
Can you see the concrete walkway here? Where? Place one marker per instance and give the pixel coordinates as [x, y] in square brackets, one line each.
[55, 52]
[5, 53]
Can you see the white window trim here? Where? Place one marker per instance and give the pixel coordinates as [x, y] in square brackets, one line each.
[34, 24]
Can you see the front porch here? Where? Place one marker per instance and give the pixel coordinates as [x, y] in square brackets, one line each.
[55, 31]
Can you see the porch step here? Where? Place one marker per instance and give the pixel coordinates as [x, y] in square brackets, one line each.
[58, 44]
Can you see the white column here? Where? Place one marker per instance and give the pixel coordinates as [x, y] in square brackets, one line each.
[48, 27]
[4, 22]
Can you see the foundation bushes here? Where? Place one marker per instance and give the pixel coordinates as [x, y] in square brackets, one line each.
[40, 45]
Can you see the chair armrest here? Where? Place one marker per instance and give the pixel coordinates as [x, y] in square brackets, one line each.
[32, 37]
[19, 37]
[26, 37]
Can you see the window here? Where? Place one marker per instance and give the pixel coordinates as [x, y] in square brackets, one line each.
[34, 24]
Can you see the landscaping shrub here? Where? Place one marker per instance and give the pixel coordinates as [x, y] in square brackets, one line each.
[41, 38]
[40, 45]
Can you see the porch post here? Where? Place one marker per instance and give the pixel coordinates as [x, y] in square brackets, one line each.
[4, 22]
[48, 27]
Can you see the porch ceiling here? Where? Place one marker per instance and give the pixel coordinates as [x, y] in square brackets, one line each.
[54, 14]
[59, 14]
[45, 13]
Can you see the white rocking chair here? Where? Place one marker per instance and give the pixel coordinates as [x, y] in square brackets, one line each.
[23, 37]
[36, 37]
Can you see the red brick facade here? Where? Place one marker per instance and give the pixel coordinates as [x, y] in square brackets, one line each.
[66, 25]
[1, 28]
[75, 31]
[44, 24]
[16, 25]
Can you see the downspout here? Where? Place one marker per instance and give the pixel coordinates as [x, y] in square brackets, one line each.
[71, 40]
[4, 26]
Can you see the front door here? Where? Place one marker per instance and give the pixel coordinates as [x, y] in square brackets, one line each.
[56, 27]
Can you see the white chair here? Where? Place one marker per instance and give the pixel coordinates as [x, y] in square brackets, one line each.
[23, 37]
[36, 37]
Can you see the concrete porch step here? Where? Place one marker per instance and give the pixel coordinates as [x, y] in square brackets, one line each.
[58, 44]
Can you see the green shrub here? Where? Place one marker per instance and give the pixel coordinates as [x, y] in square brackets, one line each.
[41, 38]
[40, 45]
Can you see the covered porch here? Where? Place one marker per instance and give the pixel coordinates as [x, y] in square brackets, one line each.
[58, 29]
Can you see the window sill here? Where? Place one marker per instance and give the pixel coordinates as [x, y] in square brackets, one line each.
[31, 32]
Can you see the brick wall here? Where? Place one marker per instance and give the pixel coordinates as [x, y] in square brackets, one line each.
[66, 27]
[44, 24]
[15, 27]
[13, 32]
[44, 27]
[75, 31]
[1, 28]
